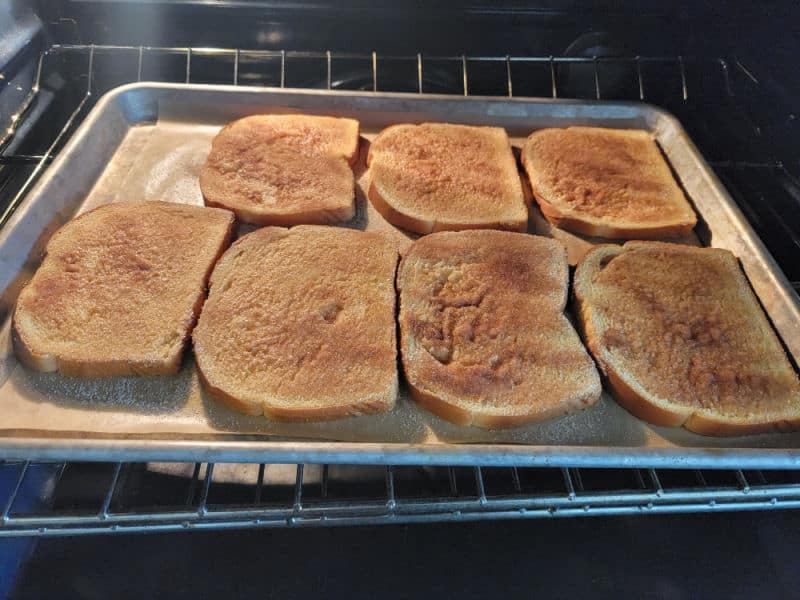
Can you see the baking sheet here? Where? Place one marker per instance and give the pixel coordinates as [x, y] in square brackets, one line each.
[163, 137]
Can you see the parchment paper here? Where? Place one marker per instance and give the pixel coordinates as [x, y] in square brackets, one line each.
[162, 162]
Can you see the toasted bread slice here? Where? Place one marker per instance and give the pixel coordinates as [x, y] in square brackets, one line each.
[683, 341]
[299, 324]
[440, 177]
[283, 169]
[119, 289]
[610, 183]
[484, 338]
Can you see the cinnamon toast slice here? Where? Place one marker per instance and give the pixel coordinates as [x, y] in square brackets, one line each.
[299, 324]
[484, 338]
[682, 339]
[610, 183]
[120, 289]
[283, 169]
[444, 177]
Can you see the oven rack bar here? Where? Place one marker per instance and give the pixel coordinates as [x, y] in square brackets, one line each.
[471, 494]
[283, 55]
[463, 60]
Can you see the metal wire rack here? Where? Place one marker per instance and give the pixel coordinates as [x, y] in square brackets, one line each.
[137, 497]
[68, 498]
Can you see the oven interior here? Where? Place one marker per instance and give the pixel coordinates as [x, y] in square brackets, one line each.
[722, 70]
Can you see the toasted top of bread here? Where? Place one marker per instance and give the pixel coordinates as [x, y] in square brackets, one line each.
[299, 324]
[119, 289]
[611, 183]
[283, 169]
[485, 340]
[683, 340]
[437, 177]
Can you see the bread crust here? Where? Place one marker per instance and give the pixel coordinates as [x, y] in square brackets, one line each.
[442, 177]
[305, 217]
[119, 367]
[484, 340]
[460, 416]
[299, 414]
[635, 396]
[424, 226]
[581, 225]
[55, 358]
[605, 183]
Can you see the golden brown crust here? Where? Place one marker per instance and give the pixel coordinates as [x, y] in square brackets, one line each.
[30, 357]
[483, 336]
[682, 340]
[442, 177]
[458, 415]
[283, 169]
[420, 225]
[296, 414]
[610, 183]
[433, 403]
[395, 217]
[233, 402]
[299, 324]
[706, 424]
[635, 403]
[578, 225]
[119, 290]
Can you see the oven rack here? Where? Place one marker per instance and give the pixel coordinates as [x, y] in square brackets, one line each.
[279, 59]
[69, 498]
[734, 142]
[58, 498]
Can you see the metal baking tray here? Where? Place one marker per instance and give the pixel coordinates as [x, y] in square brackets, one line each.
[148, 141]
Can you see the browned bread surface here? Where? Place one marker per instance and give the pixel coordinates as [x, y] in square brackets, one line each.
[484, 337]
[283, 169]
[299, 324]
[683, 341]
[611, 183]
[437, 177]
[120, 289]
